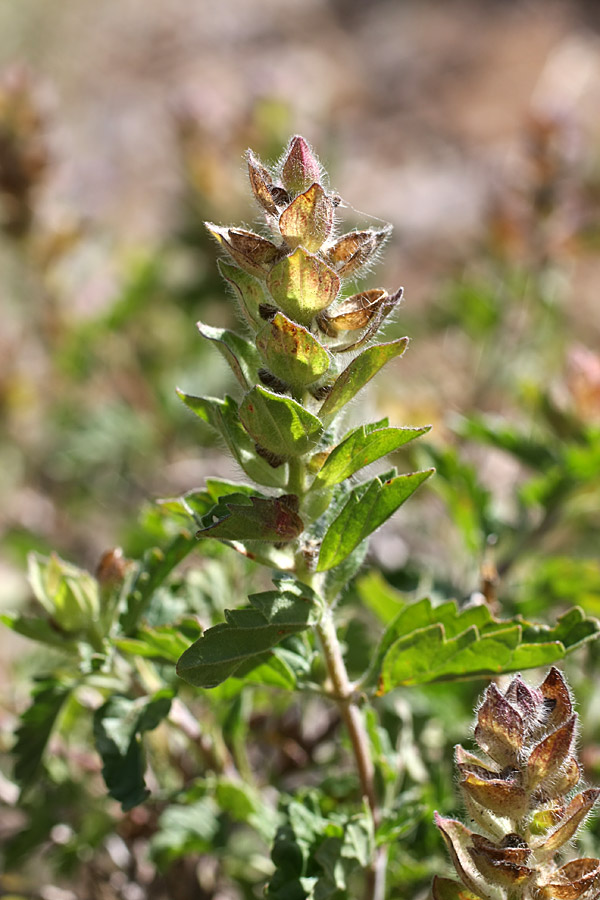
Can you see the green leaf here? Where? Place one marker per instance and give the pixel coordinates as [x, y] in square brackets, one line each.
[39, 630]
[36, 725]
[278, 423]
[535, 452]
[118, 726]
[222, 415]
[248, 290]
[361, 447]
[359, 372]
[302, 285]
[368, 507]
[446, 889]
[249, 633]
[185, 830]
[154, 568]
[242, 518]
[239, 353]
[426, 643]
[291, 352]
[164, 643]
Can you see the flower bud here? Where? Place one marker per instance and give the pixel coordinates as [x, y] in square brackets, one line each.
[300, 167]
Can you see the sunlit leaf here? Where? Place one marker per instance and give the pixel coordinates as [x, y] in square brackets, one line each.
[359, 372]
[248, 290]
[279, 423]
[241, 518]
[302, 285]
[361, 447]
[291, 352]
[367, 507]
[249, 633]
[239, 353]
[308, 220]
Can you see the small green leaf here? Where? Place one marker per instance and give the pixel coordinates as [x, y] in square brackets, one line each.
[239, 353]
[368, 507]
[308, 220]
[302, 285]
[248, 634]
[248, 290]
[278, 423]
[242, 518]
[359, 372]
[185, 830]
[222, 415]
[361, 447]
[118, 726]
[164, 643]
[39, 630]
[291, 352]
[535, 452]
[37, 723]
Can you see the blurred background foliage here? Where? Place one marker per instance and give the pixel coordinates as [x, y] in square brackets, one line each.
[472, 128]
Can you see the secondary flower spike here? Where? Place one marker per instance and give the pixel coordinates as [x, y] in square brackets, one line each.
[519, 792]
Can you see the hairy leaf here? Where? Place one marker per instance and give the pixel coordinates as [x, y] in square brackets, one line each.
[368, 507]
[249, 291]
[248, 634]
[240, 518]
[308, 220]
[291, 352]
[302, 285]
[359, 372]
[361, 447]
[278, 423]
[222, 415]
[239, 353]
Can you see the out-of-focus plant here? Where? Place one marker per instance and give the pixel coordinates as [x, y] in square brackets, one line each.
[279, 676]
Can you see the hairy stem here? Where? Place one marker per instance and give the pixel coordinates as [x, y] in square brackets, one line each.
[344, 695]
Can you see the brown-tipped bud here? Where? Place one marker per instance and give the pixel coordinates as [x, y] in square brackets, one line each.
[528, 701]
[112, 568]
[354, 250]
[557, 698]
[564, 782]
[300, 167]
[308, 220]
[250, 251]
[499, 730]
[261, 183]
[352, 314]
[572, 880]
[551, 754]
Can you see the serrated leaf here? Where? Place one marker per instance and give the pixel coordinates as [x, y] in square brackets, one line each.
[242, 518]
[239, 353]
[248, 290]
[291, 352]
[359, 372]
[302, 285]
[308, 219]
[278, 423]
[222, 415]
[118, 726]
[248, 633]
[361, 447]
[368, 507]
[35, 728]
[426, 643]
